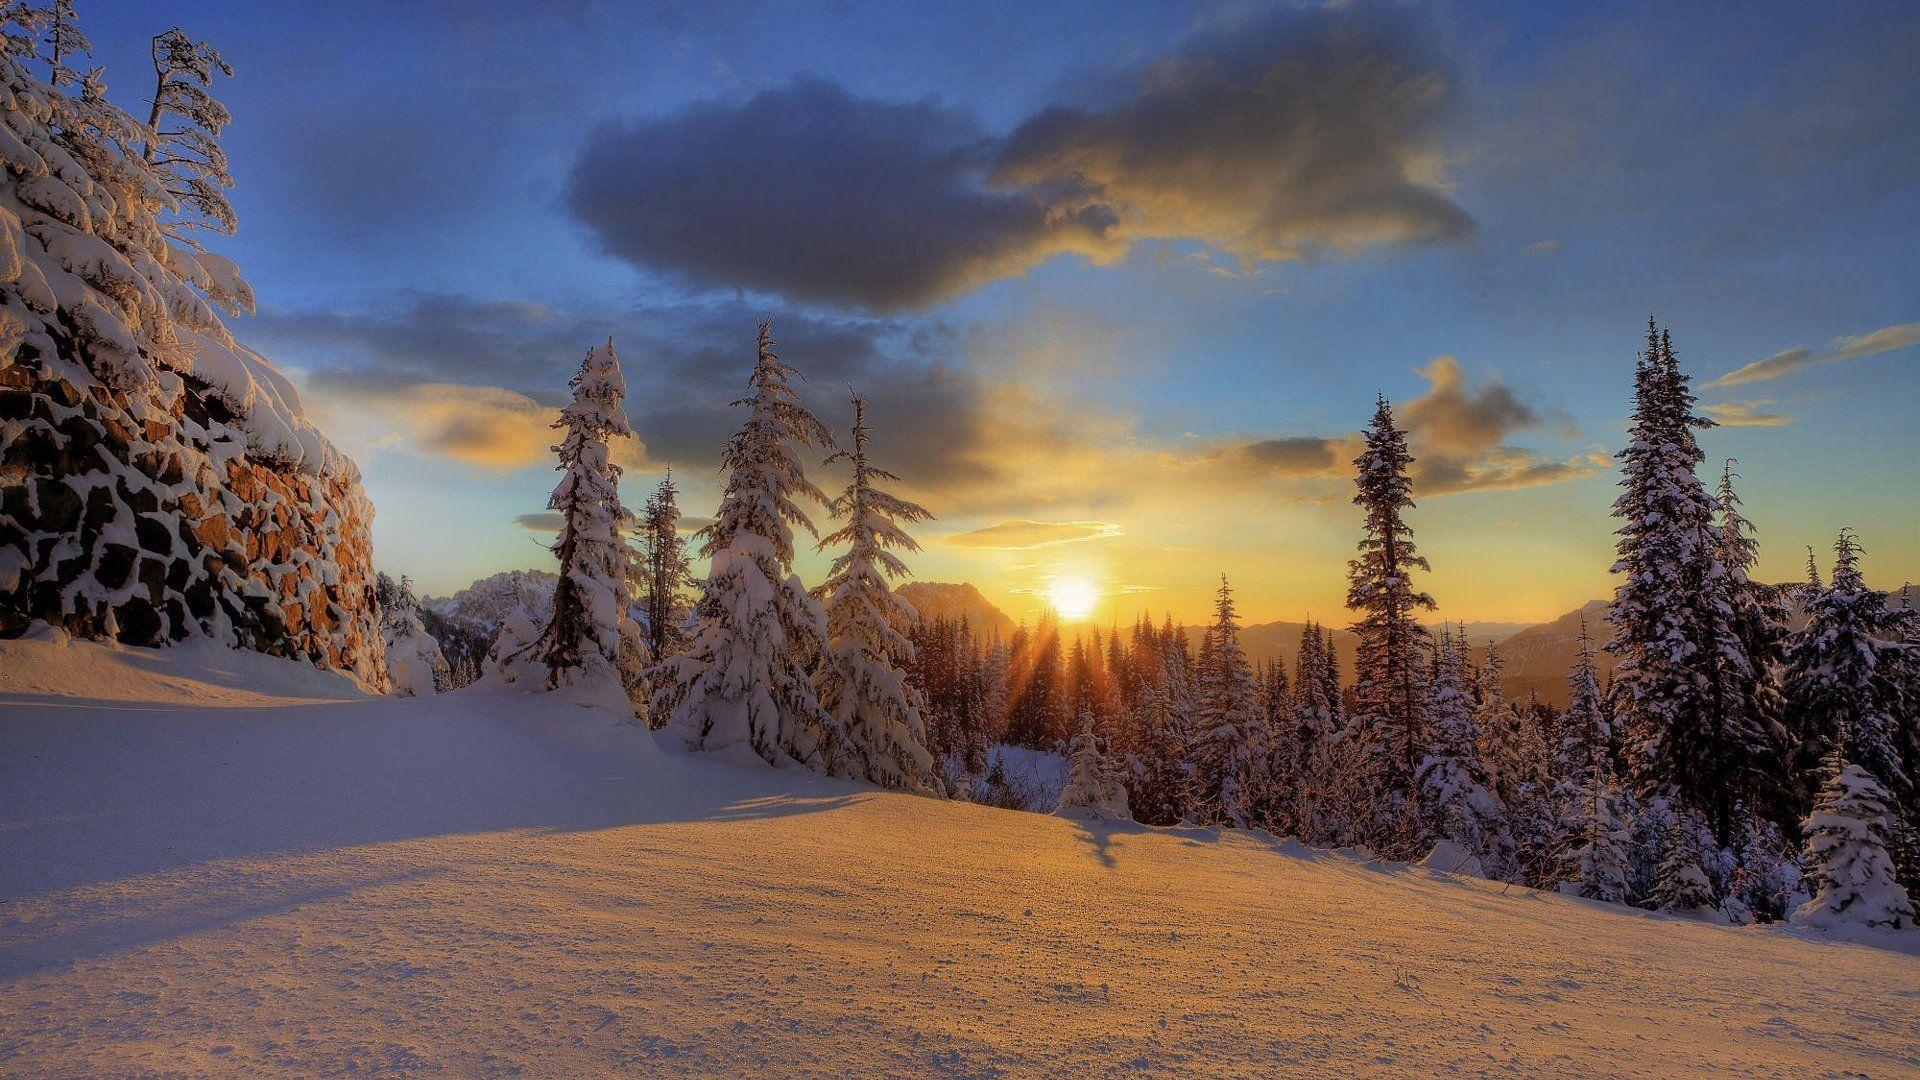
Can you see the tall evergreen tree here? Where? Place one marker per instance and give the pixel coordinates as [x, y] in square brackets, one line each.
[1681, 667]
[665, 575]
[877, 725]
[1844, 682]
[1229, 753]
[1390, 692]
[184, 151]
[1456, 803]
[1757, 620]
[581, 639]
[1593, 834]
[743, 688]
[1037, 695]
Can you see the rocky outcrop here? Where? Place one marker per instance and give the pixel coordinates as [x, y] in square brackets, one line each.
[145, 521]
[158, 480]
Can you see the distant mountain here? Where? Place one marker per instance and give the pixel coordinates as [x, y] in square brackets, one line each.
[944, 600]
[488, 601]
[1538, 658]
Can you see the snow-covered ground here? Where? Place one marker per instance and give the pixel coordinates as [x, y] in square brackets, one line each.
[212, 863]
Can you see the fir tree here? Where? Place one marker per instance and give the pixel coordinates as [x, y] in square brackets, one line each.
[1455, 801]
[1229, 751]
[1681, 884]
[1681, 667]
[1848, 867]
[1037, 708]
[1389, 684]
[1095, 785]
[582, 636]
[1156, 768]
[1758, 622]
[877, 729]
[664, 572]
[743, 688]
[1592, 832]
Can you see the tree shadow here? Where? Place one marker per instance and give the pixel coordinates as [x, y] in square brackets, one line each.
[97, 794]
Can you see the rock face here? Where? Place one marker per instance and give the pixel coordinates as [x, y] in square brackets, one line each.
[158, 480]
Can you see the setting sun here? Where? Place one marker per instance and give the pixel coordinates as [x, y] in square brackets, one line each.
[1073, 597]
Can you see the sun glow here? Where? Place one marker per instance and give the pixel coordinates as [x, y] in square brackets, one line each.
[1073, 597]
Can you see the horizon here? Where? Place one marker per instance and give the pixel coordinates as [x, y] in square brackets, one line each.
[1157, 380]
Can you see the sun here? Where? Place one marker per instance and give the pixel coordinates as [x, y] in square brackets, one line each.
[1073, 597]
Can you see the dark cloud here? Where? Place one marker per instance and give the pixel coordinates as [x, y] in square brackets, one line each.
[477, 381]
[1315, 131]
[811, 193]
[1308, 131]
[1299, 456]
[1458, 431]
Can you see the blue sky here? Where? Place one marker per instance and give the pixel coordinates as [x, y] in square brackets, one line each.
[1128, 272]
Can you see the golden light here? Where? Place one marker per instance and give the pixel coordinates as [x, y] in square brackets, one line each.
[1073, 597]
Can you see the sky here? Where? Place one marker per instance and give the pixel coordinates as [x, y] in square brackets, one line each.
[1121, 280]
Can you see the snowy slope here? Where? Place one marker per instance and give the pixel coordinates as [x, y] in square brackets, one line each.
[475, 884]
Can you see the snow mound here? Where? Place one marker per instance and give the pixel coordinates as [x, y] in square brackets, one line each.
[1450, 858]
[48, 665]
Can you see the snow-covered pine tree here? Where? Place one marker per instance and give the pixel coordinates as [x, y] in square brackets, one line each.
[416, 667]
[1680, 883]
[64, 40]
[1592, 835]
[742, 688]
[186, 122]
[876, 728]
[1228, 755]
[1681, 665]
[1095, 786]
[1036, 709]
[1848, 868]
[1455, 802]
[1156, 781]
[580, 643]
[1843, 677]
[1757, 620]
[665, 575]
[1390, 692]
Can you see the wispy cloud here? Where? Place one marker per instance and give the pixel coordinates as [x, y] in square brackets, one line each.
[1847, 347]
[1749, 413]
[1021, 535]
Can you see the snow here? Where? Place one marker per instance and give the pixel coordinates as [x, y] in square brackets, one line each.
[222, 863]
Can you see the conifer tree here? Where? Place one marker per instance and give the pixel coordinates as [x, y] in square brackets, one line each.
[1592, 832]
[183, 148]
[1843, 676]
[581, 639]
[1757, 621]
[877, 728]
[1389, 682]
[1037, 705]
[664, 572]
[743, 688]
[1848, 867]
[1681, 884]
[1095, 786]
[1229, 752]
[1157, 775]
[1681, 666]
[1455, 801]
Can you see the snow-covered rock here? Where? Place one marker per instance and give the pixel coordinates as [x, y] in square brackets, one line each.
[158, 480]
[1449, 857]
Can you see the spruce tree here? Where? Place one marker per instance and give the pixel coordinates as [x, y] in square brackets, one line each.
[1592, 834]
[581, 639]
[1758, 622]
[186, 121]
[1848, 867]
[743, 687]
[1389, 683]
[1095, 786]
[877, 728]
[1455, 802]
[665, 575]
[1156, 768]
[1681, 667]
[1680, 884]
[1229, 751]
